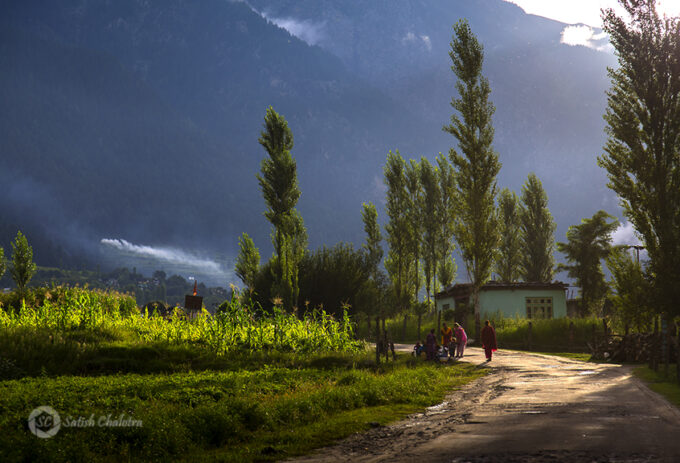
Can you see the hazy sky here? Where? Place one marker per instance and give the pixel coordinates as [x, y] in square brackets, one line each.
[584, 11]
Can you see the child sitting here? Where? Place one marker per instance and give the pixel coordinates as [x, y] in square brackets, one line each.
[418, 349]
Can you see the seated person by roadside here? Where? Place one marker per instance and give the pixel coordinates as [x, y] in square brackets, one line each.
[418, 349]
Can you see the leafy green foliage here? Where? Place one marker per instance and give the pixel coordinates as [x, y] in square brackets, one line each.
[247, 261]
[643, 127]
[23, 267]
[231, 414]
[589, 243]
[538, 233]
[281, 192]
[632, 292]
[446, 263]
[237, 328]
[372, 247]
[476, 167]
[335, 279]
[415, 215]
[399, 262]
[508, 261]
[547, 335]
[431, 223]
[2, 262]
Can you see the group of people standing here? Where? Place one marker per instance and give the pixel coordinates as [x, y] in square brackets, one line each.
[454, 342]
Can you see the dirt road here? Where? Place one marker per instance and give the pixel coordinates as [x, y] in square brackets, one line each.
[530, 408]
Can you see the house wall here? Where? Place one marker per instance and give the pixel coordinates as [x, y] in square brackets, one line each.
[440, 303]
[512, 302]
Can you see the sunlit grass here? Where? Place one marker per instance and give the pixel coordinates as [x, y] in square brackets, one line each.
[657, 381]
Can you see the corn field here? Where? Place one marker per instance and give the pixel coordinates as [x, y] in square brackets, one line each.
[238, 327]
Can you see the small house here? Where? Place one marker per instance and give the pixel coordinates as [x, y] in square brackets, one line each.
[525, 300]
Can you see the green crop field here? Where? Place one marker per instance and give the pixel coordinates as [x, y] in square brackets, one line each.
[243, 385]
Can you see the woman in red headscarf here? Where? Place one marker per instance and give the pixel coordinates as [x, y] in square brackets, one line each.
[489, 340]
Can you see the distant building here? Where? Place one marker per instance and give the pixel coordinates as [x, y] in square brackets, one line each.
[526, 300]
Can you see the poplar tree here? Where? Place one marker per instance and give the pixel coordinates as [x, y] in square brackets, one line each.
[2, 262]
[415, 219]
[372, 247]
[278, 180]
[247, 261]
[431, 224]
[23, 268]
[642, 152]
[446, 267]
[477, 165]
[398, 262]
[538, 233]
[508, 262]
[587, 244]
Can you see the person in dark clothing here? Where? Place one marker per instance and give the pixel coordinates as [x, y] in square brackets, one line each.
[430, 345]
[488, 340]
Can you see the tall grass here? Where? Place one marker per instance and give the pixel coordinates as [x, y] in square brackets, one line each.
[238, 327]
[548, 335]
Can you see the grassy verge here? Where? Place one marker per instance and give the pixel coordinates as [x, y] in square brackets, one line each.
[667, 386]
[269, 411]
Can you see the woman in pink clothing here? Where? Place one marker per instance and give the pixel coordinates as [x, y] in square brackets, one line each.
[461, 339]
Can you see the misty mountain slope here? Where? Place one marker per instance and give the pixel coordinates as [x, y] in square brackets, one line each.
[549, 96]
[182, 97]
[83, 141]
[139, 119]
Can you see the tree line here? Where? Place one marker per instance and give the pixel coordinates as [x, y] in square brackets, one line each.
[455, 203]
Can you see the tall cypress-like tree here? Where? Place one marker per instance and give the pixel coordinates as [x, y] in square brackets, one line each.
[587, 244]
[372, 247]
[247, 261]
[538, 233]
[446, 267]
[399, 261]
[23, 267]
[642, 153]
[509, 259]
[278, 180]
[477, 164]
[372, 294]
[431, 223]
[414, 188]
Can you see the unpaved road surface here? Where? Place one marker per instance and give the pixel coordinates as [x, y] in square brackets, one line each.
[530, 408]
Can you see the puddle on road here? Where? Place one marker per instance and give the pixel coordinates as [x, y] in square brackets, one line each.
[586, 372]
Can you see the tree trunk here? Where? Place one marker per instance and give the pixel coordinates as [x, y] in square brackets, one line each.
[377, 340]
[420, 318]
[403, 328]
[383, 325]
[478, 323]
[653, 359]
[439, 321]
[665, 340]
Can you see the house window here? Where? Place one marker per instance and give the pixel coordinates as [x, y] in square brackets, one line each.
[445, 307]
[539, 307]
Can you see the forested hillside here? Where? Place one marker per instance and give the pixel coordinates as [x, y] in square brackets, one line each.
[139, 120]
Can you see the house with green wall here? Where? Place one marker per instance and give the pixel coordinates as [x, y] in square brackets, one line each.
[526, 300]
